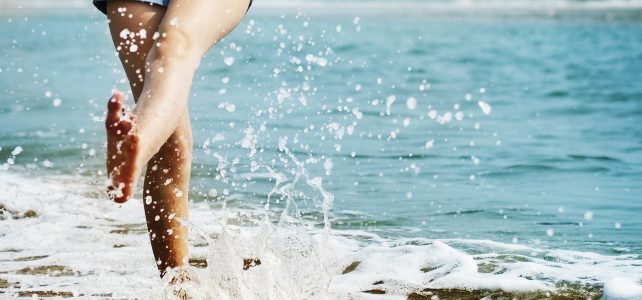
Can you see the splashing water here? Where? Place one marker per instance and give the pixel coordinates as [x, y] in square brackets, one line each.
[291, 261]
[426, 144]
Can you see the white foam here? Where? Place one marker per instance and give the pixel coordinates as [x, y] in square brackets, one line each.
[77, 227]
[622, 288]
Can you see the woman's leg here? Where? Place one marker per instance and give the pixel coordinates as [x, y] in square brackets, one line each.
[174, 157]
[161, 135]
[188, 29]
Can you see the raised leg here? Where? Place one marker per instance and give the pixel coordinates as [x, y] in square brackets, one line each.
[188, 29]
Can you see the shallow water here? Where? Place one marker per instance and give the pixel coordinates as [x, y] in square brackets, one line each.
[435, 135]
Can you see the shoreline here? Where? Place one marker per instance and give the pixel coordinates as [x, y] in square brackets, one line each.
[114, 239]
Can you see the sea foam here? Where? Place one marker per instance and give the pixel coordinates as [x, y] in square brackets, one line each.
[75, 241]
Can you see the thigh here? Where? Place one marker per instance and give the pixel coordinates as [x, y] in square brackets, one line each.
[132, 25]
[203, 22]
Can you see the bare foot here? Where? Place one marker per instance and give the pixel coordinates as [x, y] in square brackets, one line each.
[122, 149]
[182, 282]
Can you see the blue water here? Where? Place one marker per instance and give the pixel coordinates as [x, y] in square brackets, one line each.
[559, 157]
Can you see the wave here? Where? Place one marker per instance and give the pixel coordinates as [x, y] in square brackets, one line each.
[61, 237]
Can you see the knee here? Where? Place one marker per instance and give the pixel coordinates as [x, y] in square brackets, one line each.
[178, 146]
[172, 43]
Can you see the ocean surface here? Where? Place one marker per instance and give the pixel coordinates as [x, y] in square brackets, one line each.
[376, 155]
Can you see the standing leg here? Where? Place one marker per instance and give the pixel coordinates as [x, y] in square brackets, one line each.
[168, 201]
[166, 187]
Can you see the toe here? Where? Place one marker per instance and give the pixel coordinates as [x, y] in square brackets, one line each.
[114, 107]
[124, 196]
[119, 194]
[120, 199]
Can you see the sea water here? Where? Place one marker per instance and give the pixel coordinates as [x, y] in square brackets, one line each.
[359, 152]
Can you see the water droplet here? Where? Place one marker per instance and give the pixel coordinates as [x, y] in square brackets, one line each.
[124, 34]
[328, 165]
[16, 151]
[411, 103]
[229, 60]
[485, 107]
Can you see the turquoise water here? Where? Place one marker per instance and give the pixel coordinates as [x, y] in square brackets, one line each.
[555, 164]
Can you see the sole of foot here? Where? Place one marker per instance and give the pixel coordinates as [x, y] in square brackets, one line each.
[123, 147]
